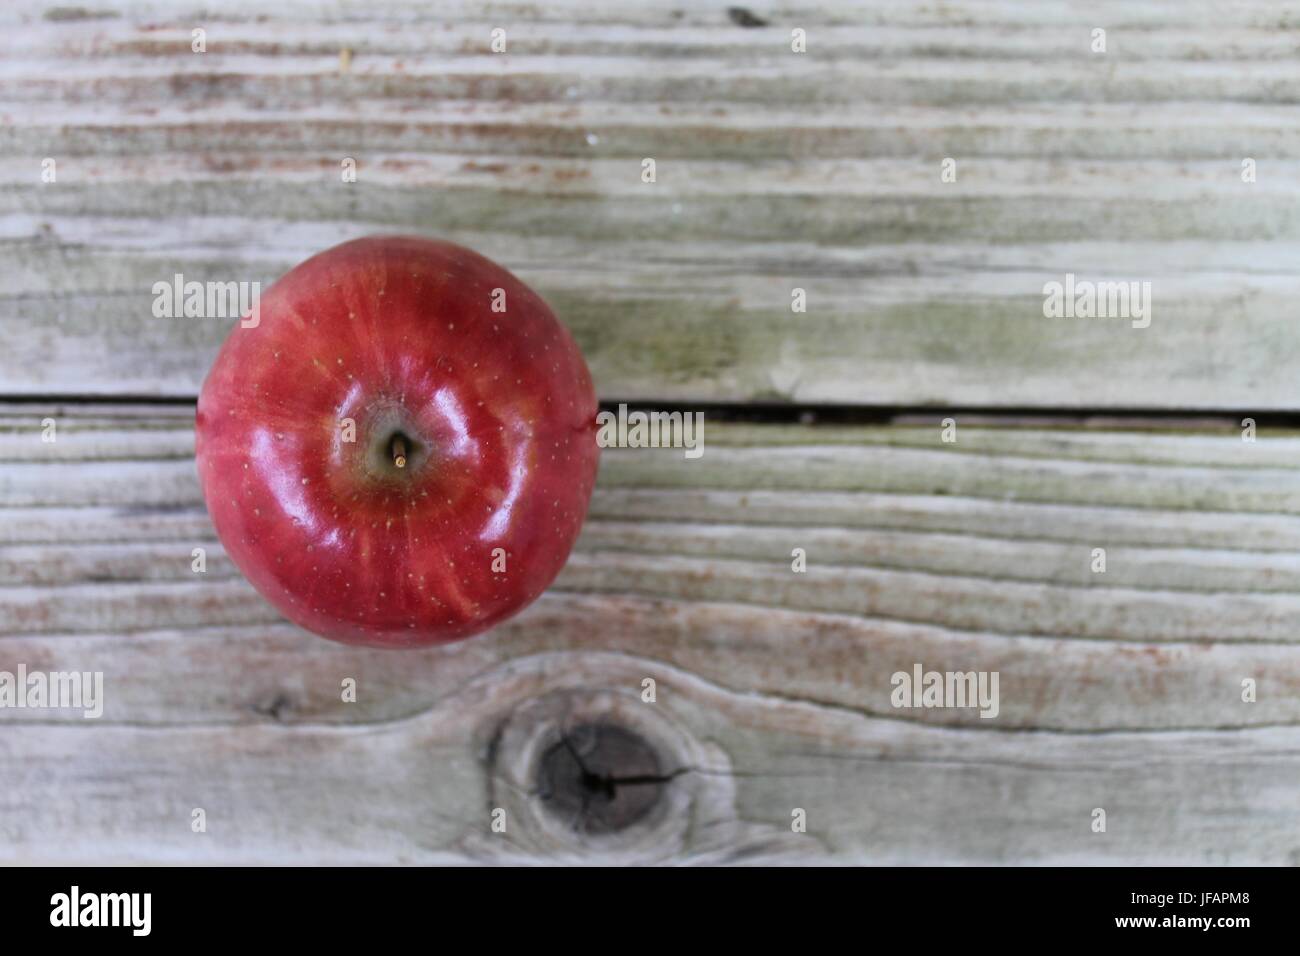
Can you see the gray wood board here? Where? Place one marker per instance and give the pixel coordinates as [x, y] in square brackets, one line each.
[775, 171]
[1120, 690]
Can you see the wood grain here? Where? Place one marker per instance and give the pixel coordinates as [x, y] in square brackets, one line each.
[776, 171]
[1119, 690]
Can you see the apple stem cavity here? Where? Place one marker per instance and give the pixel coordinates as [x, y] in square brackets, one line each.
[394, 449]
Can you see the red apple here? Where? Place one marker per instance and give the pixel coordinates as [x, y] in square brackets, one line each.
[474, 451]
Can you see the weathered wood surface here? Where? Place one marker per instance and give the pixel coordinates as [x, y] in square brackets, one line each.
[1119, 690]
[776, 170]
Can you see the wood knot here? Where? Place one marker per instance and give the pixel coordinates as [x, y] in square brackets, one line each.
[743, 17]
[601, 778]
[583, 773]
[278, 708]
[597, 773]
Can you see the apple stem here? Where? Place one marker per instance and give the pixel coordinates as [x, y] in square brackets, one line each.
[399, 451]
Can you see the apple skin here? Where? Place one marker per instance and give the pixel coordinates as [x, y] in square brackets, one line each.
[495, 412]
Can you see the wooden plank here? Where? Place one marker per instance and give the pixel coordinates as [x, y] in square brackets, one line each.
[421, 789]
[776, 171]
[1120, 690]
